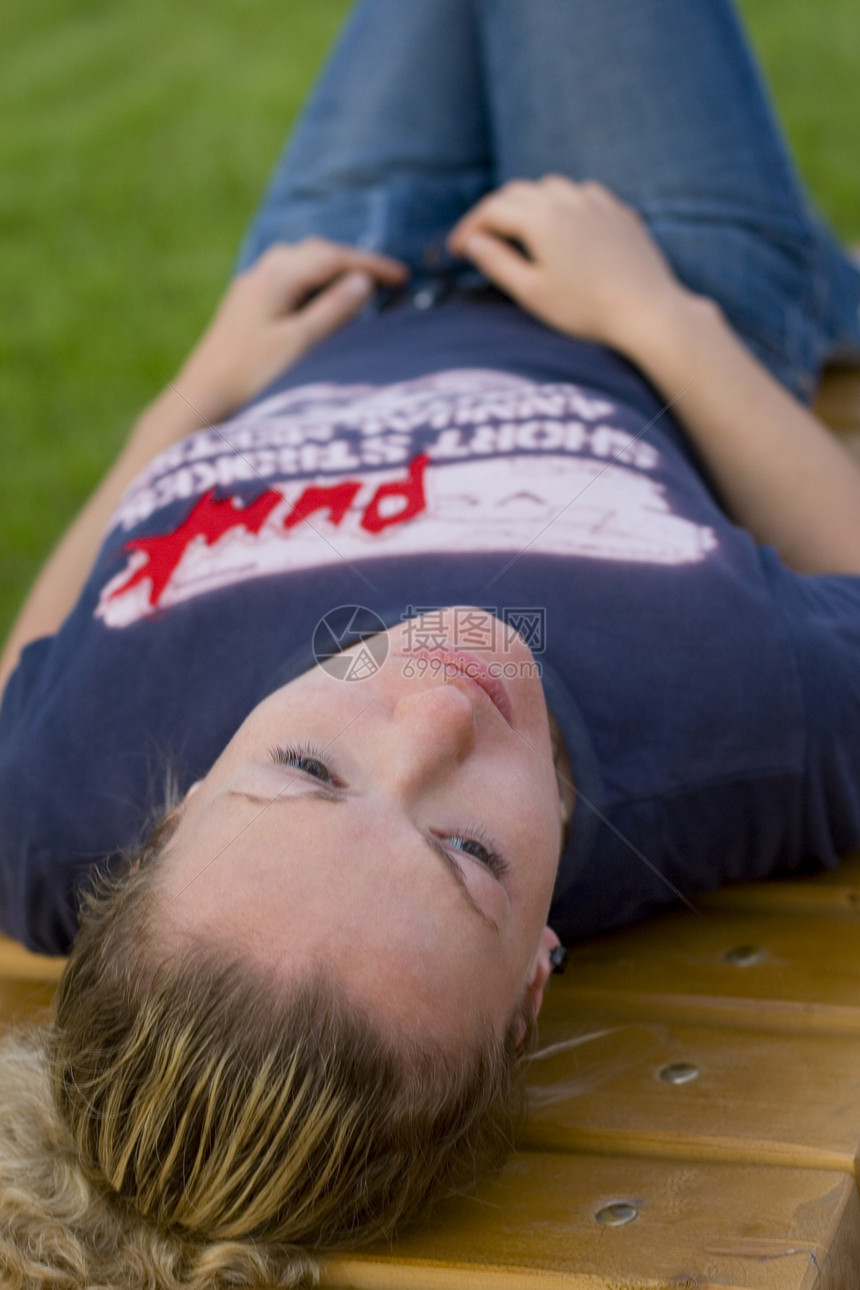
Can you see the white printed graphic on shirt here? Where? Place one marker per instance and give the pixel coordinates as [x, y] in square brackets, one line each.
[458, 462]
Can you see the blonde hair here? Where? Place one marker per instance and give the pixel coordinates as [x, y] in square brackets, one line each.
[185, 1121]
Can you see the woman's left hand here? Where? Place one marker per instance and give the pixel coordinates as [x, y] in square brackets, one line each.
[291, 299]
[574, 255]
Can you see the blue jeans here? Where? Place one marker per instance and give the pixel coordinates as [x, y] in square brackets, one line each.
[427, 104]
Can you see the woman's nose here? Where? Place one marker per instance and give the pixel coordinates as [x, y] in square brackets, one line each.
[431, 729]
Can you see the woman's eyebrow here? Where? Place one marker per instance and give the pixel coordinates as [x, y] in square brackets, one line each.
[320, 794]
[435, 847]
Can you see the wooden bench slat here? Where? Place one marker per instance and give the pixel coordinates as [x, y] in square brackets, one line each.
[807, 979]
[772, 1098]
[778, 897]
[832, 891]
[698, 1225]
[18, 964]
[24, 1002]
[846, 873]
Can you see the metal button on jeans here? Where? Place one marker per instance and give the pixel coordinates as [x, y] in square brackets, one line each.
[425, 298]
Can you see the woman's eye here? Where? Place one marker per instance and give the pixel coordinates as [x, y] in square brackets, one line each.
[305, 761]
[483, 852]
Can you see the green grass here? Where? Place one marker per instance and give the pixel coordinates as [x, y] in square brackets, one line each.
[136, 140]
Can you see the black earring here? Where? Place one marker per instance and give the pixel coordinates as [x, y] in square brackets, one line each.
[558, 959]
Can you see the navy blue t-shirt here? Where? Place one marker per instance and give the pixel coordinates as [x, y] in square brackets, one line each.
[464, 455]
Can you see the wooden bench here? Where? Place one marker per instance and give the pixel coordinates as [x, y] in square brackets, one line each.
[696, 1099]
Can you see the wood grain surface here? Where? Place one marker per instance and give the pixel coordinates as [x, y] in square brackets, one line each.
[697, 1225]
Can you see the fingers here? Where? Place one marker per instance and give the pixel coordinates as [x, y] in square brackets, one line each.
[501, 262]
[507, 212]
[485, 236]
[520, 204]
[329, 310]
[295, 270]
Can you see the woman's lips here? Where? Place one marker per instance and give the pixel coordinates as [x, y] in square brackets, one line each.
[474, 669]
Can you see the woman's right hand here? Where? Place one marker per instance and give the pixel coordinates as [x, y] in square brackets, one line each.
[294, 297]
[587, 265]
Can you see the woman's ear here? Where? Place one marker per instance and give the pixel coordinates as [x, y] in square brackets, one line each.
[532, 997]
[541, 969]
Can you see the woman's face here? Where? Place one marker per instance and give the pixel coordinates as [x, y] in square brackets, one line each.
[404, 830]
